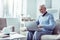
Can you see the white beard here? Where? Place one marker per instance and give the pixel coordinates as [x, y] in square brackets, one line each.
[41, 13]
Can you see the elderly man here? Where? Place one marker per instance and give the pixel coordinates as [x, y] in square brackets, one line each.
[45, 22]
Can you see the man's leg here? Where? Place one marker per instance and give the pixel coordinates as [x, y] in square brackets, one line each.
[30, 35]
[37, 34]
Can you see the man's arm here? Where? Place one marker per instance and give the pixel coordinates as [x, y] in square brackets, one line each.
[37, 21]
[51, 24]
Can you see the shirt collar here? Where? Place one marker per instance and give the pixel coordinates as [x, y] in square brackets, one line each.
[44, 14]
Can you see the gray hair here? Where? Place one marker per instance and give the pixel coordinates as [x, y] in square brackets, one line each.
[43, 6]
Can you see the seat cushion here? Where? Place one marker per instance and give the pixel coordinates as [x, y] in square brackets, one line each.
[48, 37]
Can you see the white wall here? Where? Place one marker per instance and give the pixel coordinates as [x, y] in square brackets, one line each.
[31, 8]
[48, 3]
[56, 5]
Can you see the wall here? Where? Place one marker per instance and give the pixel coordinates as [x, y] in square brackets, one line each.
[48, 3]
[31, 8]
[55, 5]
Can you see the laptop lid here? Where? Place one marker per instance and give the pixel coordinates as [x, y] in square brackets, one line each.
[31, 25]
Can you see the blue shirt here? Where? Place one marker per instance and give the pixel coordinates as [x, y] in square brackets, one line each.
[47, 22]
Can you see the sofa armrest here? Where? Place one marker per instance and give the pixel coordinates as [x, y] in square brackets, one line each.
[58, 37]
[48, 37]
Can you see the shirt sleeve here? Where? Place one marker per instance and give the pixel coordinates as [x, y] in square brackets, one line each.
[37, 21]
[51, 24]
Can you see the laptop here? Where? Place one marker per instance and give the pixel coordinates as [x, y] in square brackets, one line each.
[32, 26]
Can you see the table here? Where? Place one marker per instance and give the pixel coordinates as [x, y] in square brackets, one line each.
[15, 37]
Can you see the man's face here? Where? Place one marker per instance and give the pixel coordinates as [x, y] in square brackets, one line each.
[42, 9]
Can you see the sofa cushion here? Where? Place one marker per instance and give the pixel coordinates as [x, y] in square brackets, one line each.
[57, 28]
[48, 37]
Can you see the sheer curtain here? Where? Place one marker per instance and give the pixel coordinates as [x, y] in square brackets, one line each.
[7, 8]
[1, 8]
[10, 8]
[17, 8]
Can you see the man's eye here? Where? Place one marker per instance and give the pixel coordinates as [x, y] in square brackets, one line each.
[40, 9]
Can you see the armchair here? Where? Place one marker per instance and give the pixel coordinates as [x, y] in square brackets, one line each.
[3, 25]
[55, 33]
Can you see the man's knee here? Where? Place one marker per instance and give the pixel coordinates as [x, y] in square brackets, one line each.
[29, 36]
[36, 35]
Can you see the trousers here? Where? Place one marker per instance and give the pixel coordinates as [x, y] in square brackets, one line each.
[36, 35]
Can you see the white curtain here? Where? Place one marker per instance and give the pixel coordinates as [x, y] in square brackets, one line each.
[17, 8]
[10, 8]
[1, 8]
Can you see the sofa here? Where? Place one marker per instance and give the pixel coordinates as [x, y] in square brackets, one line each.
[2, 23]
[55, 34]
[10, 22]
[4, 27]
